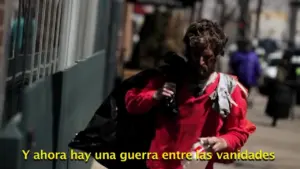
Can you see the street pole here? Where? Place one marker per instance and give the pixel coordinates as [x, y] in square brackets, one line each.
[201, 7]
[222, 8]
[258, 12]
[116, 9]
[294, 5]
[222, 5]
[193, 12]
[8, 13]
[244, 18]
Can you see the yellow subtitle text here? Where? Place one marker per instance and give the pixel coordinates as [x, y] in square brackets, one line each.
[125, 156]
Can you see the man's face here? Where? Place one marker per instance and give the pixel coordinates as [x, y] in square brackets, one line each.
[203, 61]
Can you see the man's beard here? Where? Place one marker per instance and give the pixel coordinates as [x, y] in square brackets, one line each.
[204, 72]
[201, 73]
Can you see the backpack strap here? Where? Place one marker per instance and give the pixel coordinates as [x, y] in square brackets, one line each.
[221, 97]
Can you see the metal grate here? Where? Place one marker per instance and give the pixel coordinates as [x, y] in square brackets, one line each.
[34, 40]
[33, 47]
[47, 36]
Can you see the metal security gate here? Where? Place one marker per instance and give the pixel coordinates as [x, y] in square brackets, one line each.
[33, 47]
[32, 54]
[59, 52]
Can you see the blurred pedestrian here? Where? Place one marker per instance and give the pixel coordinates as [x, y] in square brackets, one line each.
[245, 65]
[281, 98]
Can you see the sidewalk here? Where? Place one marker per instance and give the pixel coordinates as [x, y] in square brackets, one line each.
[284, 140]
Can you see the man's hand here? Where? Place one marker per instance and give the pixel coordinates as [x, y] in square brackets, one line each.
[168, 90]
[215, 143]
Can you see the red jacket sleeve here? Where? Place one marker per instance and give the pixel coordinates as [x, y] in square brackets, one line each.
[141, 100]
[237, 127]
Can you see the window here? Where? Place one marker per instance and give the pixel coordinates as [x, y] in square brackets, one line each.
[52, 35]
[33, 46]
[47, 36]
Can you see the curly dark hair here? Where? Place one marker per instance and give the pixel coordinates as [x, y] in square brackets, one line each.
[203, 33]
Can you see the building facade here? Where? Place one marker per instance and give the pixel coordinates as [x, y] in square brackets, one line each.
[58, 62]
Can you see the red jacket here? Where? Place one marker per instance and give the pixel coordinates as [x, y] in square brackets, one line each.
[196, 119]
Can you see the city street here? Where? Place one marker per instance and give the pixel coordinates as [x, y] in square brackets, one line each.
[62, 62]
[284, 140]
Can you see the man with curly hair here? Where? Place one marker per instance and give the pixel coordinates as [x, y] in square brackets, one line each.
[212, 106]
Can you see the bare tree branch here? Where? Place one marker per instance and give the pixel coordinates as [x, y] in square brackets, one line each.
[230, 14]
[226, 15]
